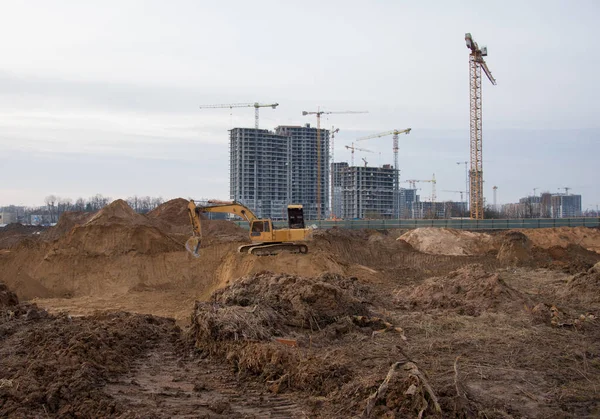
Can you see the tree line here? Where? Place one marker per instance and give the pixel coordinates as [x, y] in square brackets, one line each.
[54, 206]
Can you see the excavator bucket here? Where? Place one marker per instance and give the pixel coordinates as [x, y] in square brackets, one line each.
[192, 245]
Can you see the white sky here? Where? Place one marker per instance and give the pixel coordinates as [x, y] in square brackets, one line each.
[102, 97]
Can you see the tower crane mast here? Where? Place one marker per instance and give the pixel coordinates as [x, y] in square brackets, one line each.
[318, 113]
[476, 64]
[254, 105]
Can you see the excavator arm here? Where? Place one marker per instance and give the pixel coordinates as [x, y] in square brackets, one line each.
[228, 207]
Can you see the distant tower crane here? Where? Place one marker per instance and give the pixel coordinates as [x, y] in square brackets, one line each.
[318, 113]
[255, 105]
[365, 161]
[433, 182]
[460, 192]
[352, 148]
[395, 134]
[476, 63]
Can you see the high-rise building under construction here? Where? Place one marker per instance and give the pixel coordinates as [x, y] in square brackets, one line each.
[269, 170]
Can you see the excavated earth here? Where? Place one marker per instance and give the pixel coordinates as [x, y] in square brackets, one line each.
[106, 315]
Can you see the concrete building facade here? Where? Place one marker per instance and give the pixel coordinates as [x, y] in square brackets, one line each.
[546, 205]
[259, 171]
[269, 170]
[367, 192]
[337, 196]
[308, 168]
[565, 206]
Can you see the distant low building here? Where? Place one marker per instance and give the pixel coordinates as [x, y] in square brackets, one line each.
[40, 219]
[8, 217]
[547, 205]
[565, 206]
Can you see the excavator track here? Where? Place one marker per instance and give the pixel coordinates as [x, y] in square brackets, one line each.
[271, 249]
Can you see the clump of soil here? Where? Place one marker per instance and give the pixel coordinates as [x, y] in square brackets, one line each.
[57, 366]
[448, 241]
[7, 297]
[468, 291]
[515, 249]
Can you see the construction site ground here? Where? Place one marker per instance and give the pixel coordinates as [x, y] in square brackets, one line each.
[107, 315]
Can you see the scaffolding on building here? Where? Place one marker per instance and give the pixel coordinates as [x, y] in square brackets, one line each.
[367, 192]
[259, 174]
[270, 170]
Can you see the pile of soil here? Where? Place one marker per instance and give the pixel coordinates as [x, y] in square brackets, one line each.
[7, 297]
[266, 304]
[13, 234]
[515, 249]
[589, 238]
[66, 222]
[172, 217]
[585, 286]
[114, 230]
[313, 335]
[448, 241]
[570, 259]
[58, 366]
[467, 291]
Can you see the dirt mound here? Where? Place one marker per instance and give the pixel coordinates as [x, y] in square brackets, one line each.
[7, 297]
[569, 259]
[13, 234]
[447, 241]
[116, 229]
[285, 329]
[172, 216]
[585, 286]
[586, 237]
[66, 222]
[58, 366]
[117, 212]
[264, 305]
[469, 291]
[515, 248]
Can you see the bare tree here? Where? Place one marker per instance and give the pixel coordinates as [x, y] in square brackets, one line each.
[50, 202]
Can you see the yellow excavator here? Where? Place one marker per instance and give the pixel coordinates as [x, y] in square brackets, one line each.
[266, 239]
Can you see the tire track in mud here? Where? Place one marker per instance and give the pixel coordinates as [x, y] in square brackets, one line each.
[164, 385]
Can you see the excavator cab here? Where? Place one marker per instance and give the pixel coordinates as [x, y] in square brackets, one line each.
[260, 230]
[295, 216]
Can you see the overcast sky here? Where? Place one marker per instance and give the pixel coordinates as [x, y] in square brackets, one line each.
[102, 97]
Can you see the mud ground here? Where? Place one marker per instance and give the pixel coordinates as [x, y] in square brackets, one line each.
[108, 316]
